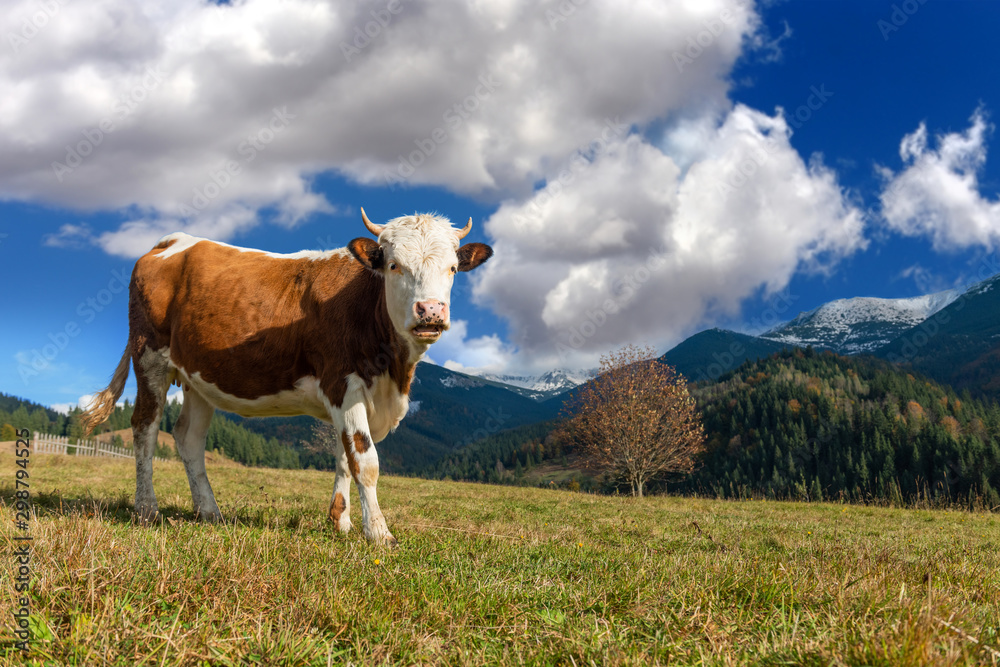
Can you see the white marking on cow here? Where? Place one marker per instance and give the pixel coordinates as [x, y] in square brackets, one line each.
[386, 405]
[190, 431]
[305, 398]
[424, 249]
[352, 418]
[184, 241]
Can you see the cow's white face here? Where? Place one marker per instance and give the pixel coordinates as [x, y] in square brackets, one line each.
[418, 257]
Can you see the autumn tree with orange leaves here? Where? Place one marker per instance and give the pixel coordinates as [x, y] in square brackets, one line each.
[636, 419]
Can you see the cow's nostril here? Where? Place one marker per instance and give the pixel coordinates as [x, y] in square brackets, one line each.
[434, 309]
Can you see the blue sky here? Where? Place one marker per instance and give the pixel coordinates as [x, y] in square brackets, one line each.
[599, 149]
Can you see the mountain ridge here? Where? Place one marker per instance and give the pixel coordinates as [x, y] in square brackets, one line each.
[540, 387]
[859, 324]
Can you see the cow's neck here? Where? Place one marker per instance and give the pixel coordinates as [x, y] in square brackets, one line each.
[400, 352]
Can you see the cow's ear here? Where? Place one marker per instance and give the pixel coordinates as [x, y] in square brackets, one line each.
[368, 252]
[472, 255]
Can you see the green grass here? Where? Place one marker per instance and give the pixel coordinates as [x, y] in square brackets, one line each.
[491, 575]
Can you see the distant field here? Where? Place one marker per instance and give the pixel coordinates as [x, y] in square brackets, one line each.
[491, 575]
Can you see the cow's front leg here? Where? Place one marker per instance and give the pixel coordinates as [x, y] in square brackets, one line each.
[362, 461]
[340, 502]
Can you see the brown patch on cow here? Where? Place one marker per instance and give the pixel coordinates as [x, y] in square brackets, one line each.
[472, 255]
[368, 252]
[362, 442]
[404, 386]
[369, 475]
[252, 324]
[352, 463]
[337, 508]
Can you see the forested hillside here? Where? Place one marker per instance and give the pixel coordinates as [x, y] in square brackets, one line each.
[708, 355]
[17, 413]
[816, 425]
[959, 345]
[803, 424]
[500, 458]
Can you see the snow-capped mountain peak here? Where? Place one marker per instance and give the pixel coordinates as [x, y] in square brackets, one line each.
[542, 386]
[861, 324]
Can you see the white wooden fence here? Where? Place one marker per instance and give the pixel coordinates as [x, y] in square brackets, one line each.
[43, 443]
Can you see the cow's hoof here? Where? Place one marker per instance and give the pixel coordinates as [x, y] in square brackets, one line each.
[209, 516]
[147, 513]
[383, 540]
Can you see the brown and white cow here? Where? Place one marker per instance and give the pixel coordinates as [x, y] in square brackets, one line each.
[334, 334]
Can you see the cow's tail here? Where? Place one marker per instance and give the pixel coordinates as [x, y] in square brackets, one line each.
[101, 407]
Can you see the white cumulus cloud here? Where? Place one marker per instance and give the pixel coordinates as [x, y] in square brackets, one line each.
[458, 352]
[627, 248]
[196, 116]
[937, 193]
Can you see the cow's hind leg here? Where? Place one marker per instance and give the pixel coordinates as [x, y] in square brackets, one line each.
[153, 375]
[340, 502]
[189, 433]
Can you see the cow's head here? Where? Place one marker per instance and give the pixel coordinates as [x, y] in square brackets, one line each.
[418, 256]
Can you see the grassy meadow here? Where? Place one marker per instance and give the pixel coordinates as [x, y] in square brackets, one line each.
[489, 575]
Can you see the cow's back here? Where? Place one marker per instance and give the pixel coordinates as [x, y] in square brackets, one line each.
[251, 324]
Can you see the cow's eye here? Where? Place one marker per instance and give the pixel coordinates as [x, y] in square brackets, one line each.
[454, 269]
[393, 266]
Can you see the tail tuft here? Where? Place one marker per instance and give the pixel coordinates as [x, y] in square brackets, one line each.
[103, 405]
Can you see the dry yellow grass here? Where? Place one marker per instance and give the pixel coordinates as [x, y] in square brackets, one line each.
[492, 575]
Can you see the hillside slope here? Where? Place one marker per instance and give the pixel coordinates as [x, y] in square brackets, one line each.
[817, 425]
[709, 354]
[798, 424]
[959, 345]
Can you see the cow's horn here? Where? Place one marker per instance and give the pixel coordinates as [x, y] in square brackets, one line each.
[371, 226]
[464, 231]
